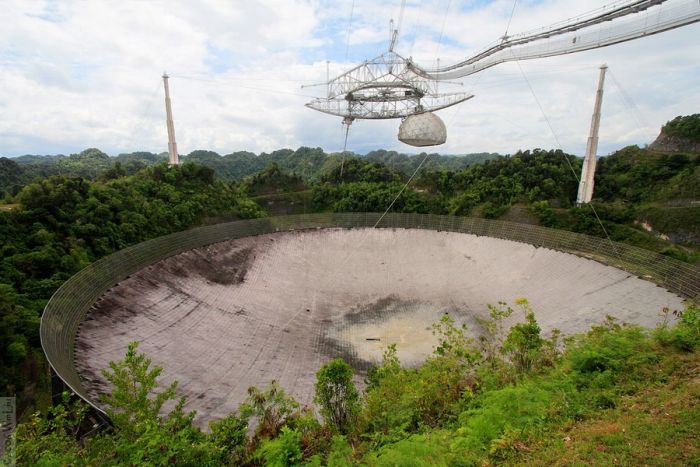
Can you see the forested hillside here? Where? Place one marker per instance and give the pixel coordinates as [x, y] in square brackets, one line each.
[644, 197]
[308, 163]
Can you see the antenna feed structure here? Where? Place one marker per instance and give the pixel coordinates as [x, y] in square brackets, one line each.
[383, 88]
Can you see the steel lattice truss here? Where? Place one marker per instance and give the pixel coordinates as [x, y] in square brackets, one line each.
[391, 86]
[619, 22]
[381, 88]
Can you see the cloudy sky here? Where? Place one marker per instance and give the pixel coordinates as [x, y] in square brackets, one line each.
[79, 74]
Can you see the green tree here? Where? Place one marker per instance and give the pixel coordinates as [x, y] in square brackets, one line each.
[51, 439]
[284, 450]
[336, 394]
[271, 408]
[229, 435]
[144, 432]
[524, 344]
[131, 401]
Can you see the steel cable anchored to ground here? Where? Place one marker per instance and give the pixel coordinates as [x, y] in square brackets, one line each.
[232, 305]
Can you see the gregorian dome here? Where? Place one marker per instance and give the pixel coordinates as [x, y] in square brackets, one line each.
[423, 129]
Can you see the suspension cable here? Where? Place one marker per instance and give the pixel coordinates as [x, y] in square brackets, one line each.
[347, 37]
[402, 189]
[512, 11]
[403, 7]
[346, 123]
[442, 30]
[628, 102]
[571, 167]
[142, 117]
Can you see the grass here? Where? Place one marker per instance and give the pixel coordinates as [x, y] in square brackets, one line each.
[520, 213]
[8, 207]
[296, 202]
[659, 425]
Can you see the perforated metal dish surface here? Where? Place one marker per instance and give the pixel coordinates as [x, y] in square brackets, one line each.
[242, 312]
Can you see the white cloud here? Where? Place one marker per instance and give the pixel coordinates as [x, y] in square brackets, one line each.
[82, 74]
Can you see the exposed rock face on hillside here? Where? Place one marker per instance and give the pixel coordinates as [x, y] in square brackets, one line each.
[682, 134]
[670, 143]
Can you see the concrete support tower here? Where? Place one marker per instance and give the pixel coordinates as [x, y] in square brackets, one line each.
[585, 187]
[172, 145]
